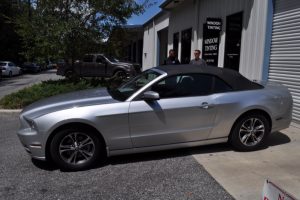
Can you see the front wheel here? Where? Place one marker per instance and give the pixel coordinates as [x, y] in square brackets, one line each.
[120, 74]
[75, 149]
[249, 132]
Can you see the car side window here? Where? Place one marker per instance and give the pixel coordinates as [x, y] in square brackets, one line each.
[100, 59]
[10, 64]
[184, 86]
[88, 58]
[220, 86]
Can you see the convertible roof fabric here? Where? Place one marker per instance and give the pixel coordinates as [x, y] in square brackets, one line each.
[233, 78]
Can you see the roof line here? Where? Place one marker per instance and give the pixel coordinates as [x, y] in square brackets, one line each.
[155, 16]
[164, 4]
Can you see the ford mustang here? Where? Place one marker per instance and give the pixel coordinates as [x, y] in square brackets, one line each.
[163, 108]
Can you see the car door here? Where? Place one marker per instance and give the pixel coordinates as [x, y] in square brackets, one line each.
[185, 112]
[100, 66]
[11, 68]
[14, 69]
[86, 68]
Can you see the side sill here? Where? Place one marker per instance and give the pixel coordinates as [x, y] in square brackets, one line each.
[166, 147]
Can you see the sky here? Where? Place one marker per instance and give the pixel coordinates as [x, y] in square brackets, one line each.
[148, 14]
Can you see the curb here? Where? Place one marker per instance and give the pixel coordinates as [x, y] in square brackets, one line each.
[10, 111]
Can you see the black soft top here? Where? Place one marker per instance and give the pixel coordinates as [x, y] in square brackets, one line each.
[231, 77]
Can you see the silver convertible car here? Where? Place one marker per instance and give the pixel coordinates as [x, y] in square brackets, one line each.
[163, 108]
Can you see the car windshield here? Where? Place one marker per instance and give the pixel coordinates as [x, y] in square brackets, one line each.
[2, 64]
[112, 59]
[129, 88]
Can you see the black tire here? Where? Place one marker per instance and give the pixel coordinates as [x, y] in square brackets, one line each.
[249, 132]
[81, 152]
[119, 74]
[71, 75]
[10, 74]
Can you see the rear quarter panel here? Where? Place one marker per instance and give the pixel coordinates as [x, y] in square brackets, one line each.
[276, 101]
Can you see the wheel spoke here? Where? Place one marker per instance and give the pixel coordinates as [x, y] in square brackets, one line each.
[86, 154]
[64, 148]
[253, 120]
[75, 137]
[71, 158]
[244, 128]
[75, 157]
[260, 128]
[254, 138]
[245, 138]
[70, 136]
[85, 142]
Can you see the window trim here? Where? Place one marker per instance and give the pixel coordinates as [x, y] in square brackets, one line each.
[147, 87]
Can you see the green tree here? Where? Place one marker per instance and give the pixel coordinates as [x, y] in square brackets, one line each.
[70, 28]
[10, 43]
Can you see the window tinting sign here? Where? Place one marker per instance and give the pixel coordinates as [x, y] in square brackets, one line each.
[211, 36]
[214, 24]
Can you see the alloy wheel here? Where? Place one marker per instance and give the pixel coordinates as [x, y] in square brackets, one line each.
[76, 148]
[251, 132]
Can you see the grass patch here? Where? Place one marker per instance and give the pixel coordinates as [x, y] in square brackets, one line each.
[45, 89]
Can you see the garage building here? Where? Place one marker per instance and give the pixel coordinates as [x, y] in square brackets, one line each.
[258, 38]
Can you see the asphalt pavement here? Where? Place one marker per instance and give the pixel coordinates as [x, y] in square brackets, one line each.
[160, 175]
[9, 85]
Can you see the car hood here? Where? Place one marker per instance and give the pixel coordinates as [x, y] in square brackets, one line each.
[67, 101]
[122, 64]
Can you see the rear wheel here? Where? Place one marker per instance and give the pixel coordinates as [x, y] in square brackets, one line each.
[10, 74]
[75, 149]
[249, 132]
[70, 74]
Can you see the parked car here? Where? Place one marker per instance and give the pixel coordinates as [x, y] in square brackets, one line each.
[31, 67]
[51, 65]
[163, 108]
[9, 69]
[99, 65]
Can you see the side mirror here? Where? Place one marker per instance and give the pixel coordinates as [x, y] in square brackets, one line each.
[150, 96]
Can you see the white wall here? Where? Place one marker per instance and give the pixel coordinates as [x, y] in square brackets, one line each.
[150, 49]
[253, 33]
[193, 14]
[182, 17]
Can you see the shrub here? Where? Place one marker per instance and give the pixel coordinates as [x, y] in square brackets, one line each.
[45, 89]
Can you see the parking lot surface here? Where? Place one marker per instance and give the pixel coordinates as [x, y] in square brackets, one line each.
[243, 174]
[160, 175]
[9, 85]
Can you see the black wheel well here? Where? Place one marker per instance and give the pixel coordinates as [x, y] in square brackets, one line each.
[68, 70]
[254, 111]
[72, 125]
[118, 70]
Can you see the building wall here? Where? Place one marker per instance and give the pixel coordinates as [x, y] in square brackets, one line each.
[181, 18]
[193, 14]
[150, 49]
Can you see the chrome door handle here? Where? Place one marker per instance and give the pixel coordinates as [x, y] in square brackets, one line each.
[204, 105]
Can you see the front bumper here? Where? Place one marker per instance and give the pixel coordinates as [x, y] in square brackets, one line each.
[5, 72]
[31, 141]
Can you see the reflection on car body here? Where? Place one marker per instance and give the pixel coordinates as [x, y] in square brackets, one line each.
[163, 108]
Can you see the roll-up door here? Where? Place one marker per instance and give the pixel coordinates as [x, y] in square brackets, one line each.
[285, 49]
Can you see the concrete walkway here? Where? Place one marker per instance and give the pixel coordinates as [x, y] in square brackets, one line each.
[243, 174]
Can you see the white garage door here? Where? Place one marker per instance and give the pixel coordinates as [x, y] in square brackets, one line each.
[285, 50]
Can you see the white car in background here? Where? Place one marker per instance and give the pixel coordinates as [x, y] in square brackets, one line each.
[9, 69]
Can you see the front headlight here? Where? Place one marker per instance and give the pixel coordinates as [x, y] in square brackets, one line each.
[31, 123]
